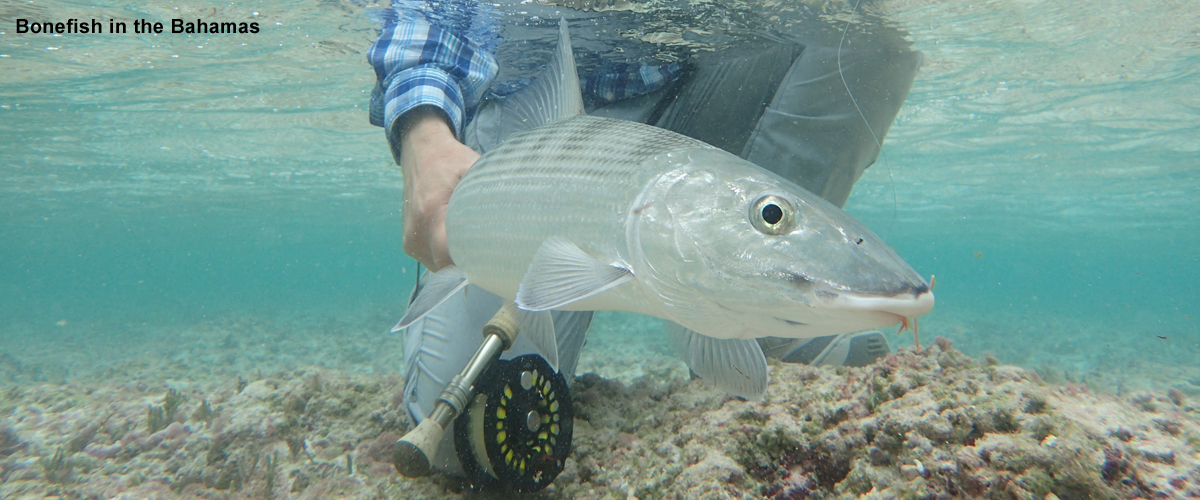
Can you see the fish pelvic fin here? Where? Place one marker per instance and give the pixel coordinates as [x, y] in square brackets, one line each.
[562, 273]
[439, 287]
[736, 366]
[538, 329]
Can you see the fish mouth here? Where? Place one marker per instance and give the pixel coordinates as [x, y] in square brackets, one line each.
[908, 304]
[841, 311]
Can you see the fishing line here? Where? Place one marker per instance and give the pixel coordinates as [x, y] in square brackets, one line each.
[879, 144]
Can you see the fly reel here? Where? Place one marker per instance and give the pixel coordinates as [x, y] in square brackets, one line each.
[516, 432]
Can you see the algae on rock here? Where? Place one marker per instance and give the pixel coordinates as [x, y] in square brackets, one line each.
[159, 417]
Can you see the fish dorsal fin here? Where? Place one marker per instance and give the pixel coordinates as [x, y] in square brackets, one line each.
[555, 95]
[552, 97]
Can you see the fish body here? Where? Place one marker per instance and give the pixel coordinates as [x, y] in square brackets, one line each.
[574, 212]
[680, 216]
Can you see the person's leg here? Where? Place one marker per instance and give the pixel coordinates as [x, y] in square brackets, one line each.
[822, 137]
[786, 108]
[438, 347]
[848, 349]
[725, 94]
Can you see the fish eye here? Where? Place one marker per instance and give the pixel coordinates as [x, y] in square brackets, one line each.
[771, 214]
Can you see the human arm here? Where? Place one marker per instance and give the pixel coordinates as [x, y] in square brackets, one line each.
[432, 161]
[429, 80]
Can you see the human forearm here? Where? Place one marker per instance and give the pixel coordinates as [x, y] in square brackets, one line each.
[429, 79]
[432, 161]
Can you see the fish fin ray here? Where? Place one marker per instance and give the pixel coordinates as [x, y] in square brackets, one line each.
[555, 94]
[736, 366]
[439, 287]
[538, 329]
[562, 273]
[571, 329]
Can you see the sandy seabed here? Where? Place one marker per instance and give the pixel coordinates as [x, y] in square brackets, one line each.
[928, 423]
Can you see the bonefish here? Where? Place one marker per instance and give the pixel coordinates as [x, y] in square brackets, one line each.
[590, 213]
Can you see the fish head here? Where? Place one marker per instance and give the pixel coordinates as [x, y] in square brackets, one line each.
[739, 252]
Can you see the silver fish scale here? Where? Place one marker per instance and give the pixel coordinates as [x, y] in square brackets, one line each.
[575, 179]
[594, 141]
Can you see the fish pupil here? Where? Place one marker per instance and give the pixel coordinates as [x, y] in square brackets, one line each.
[772, 214]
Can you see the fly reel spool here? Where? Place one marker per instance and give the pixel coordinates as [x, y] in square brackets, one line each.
[516, 433]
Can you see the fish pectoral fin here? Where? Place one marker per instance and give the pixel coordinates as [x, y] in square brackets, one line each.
[562, 273]
[736, 366]
[439, 287]
[538, 328]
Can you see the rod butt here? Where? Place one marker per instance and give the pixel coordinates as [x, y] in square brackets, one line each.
[414, 451]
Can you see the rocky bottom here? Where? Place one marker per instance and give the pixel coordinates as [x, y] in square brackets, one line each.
[933, 423]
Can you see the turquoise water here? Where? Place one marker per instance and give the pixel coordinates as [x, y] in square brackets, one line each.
[1045, 168]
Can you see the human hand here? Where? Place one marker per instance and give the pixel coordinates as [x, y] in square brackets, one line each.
[432, 162]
